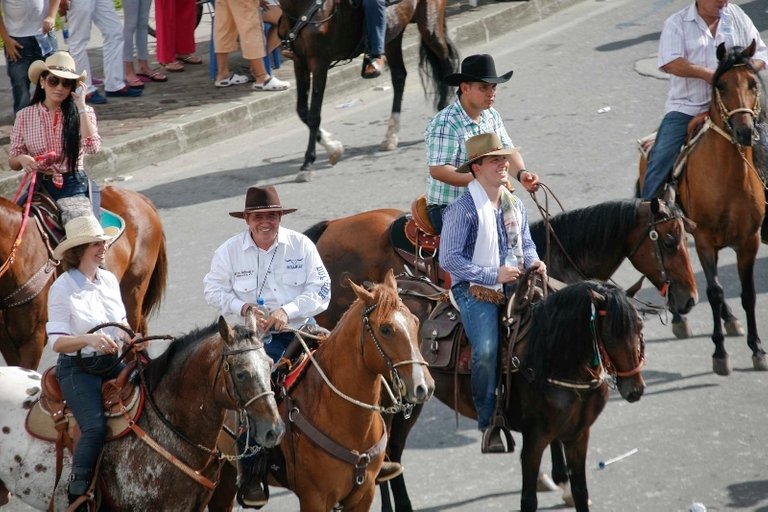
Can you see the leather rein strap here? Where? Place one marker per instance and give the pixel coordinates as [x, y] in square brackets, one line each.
[359, 460]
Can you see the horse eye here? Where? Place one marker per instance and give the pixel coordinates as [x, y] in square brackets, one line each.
[241, 375]
[720, 86]
[386, 330]
[669, 242]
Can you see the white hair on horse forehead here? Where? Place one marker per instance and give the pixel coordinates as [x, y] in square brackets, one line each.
[401, 319]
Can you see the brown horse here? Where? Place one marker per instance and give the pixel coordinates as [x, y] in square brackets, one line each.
[322, 33]
[336, 438]
[597, 239]
[722, 192]
[137, 258]
[190, 388]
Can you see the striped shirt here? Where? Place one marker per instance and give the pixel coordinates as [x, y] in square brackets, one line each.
[38, 131]
[457, 242]
[686, 35]
[445, 136]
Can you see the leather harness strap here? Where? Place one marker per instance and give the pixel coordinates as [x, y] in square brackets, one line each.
[359, 460]
[30, 289]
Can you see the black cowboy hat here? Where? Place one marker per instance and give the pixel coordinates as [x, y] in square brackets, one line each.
[477, 68]
[259, 199]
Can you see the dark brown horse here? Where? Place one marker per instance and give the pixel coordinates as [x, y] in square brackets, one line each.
[339, 396]
[597, 239]
[137, 258]
[722, 192]
[322, 33]
[192, 386]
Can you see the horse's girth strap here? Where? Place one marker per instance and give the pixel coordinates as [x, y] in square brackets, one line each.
[194, 475]
[359, 460]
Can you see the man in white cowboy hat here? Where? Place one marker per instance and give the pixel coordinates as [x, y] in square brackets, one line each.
[81, 15]
[485, 245]
[26, 28]
[472, 113]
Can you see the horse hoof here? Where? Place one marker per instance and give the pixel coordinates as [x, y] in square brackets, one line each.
[721, 365]
[389, 144]
[568, 497]
[304, 176]
[681, 330]
[734, 328]
[545, 483]
[335, 150]
[760, 363]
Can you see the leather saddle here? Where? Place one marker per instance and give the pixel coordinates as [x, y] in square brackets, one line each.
[415, 240]
[50, 418]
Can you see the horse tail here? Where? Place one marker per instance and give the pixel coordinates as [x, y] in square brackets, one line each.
[316, 231]
[436, 65]
[157, 282]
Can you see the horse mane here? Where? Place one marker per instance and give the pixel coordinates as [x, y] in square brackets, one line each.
[315, 231]
[561, 337]
[179, 350]
[593, 228]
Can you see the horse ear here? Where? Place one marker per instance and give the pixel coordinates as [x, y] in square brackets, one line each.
[390, 280]
[670, 195]
[749, 51]
[721, 51]
[224, 331]
[632, 290]
[250, 320]
[689, 225]
[595, 295]
[362, 294]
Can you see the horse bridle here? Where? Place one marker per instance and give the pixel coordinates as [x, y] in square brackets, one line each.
[727, 114]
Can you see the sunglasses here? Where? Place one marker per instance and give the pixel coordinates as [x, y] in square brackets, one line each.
[54, 81]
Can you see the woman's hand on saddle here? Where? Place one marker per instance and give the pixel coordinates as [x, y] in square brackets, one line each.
[507, 274]
[102, 343]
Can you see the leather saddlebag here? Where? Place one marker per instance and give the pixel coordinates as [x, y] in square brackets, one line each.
[440, 336]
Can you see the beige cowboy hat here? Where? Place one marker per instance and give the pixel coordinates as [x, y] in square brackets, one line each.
[482, 145]
[59, 63]
[261, 199]
[83, 230]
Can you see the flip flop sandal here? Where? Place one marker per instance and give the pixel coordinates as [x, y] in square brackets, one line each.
[136, 83]
[153, 76]
[190, 59]
[234, 79]
[173, 67]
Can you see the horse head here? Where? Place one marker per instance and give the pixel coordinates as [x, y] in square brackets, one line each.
[736, 93]
[618, 332]
[393, 330]
[661, 254]
[245, 368]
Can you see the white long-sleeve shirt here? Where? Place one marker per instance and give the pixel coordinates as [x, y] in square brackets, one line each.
[686, 35]
[289, 275]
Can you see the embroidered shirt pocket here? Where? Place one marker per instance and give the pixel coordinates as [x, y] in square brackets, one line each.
[245, 285]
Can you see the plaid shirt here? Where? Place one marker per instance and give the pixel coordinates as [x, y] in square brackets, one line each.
[35, 133]
[445, 136]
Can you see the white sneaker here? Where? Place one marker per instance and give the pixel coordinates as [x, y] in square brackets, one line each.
[271, 84]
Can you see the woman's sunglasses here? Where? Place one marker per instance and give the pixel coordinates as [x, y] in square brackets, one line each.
[54, 81]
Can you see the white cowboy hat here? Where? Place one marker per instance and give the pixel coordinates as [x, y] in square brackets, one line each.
[59, 63]
[83, 230]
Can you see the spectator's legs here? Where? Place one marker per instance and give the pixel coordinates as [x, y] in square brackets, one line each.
[80, 17]
[18, 71]
[106, 20]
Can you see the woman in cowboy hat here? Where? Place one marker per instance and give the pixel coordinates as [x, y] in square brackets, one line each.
[84, 296]
[472, 113]
[275, 266]
[52, 134]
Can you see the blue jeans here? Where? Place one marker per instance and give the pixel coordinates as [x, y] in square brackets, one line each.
[375, 26]
[435, 213]
[669, 139]
[481, 323]
[75, 184]
[280, 341]
[82, 391]
[17, 71]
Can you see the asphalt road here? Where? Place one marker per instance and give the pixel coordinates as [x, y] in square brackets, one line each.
[698, 437]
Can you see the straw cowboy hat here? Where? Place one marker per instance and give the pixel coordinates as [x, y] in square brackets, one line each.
[261, 199]
[58, 63]
[83, 230]
[482, 145]
[477, 68]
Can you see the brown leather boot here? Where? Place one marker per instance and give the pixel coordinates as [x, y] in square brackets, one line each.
[389, 470]
[372, 67]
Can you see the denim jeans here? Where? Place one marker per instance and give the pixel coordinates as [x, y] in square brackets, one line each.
[17, 71]
[75, 184]
[82, 391]
[375, 26]
[280, 341]
[669, 139]
[481, 323]
[435, 214]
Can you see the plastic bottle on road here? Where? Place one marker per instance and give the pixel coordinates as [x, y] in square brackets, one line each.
[262, 307]
[697, 507]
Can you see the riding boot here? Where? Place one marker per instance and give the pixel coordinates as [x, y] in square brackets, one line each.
[252, 489]
[388, 471]
[78, 486]
[83, 507]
